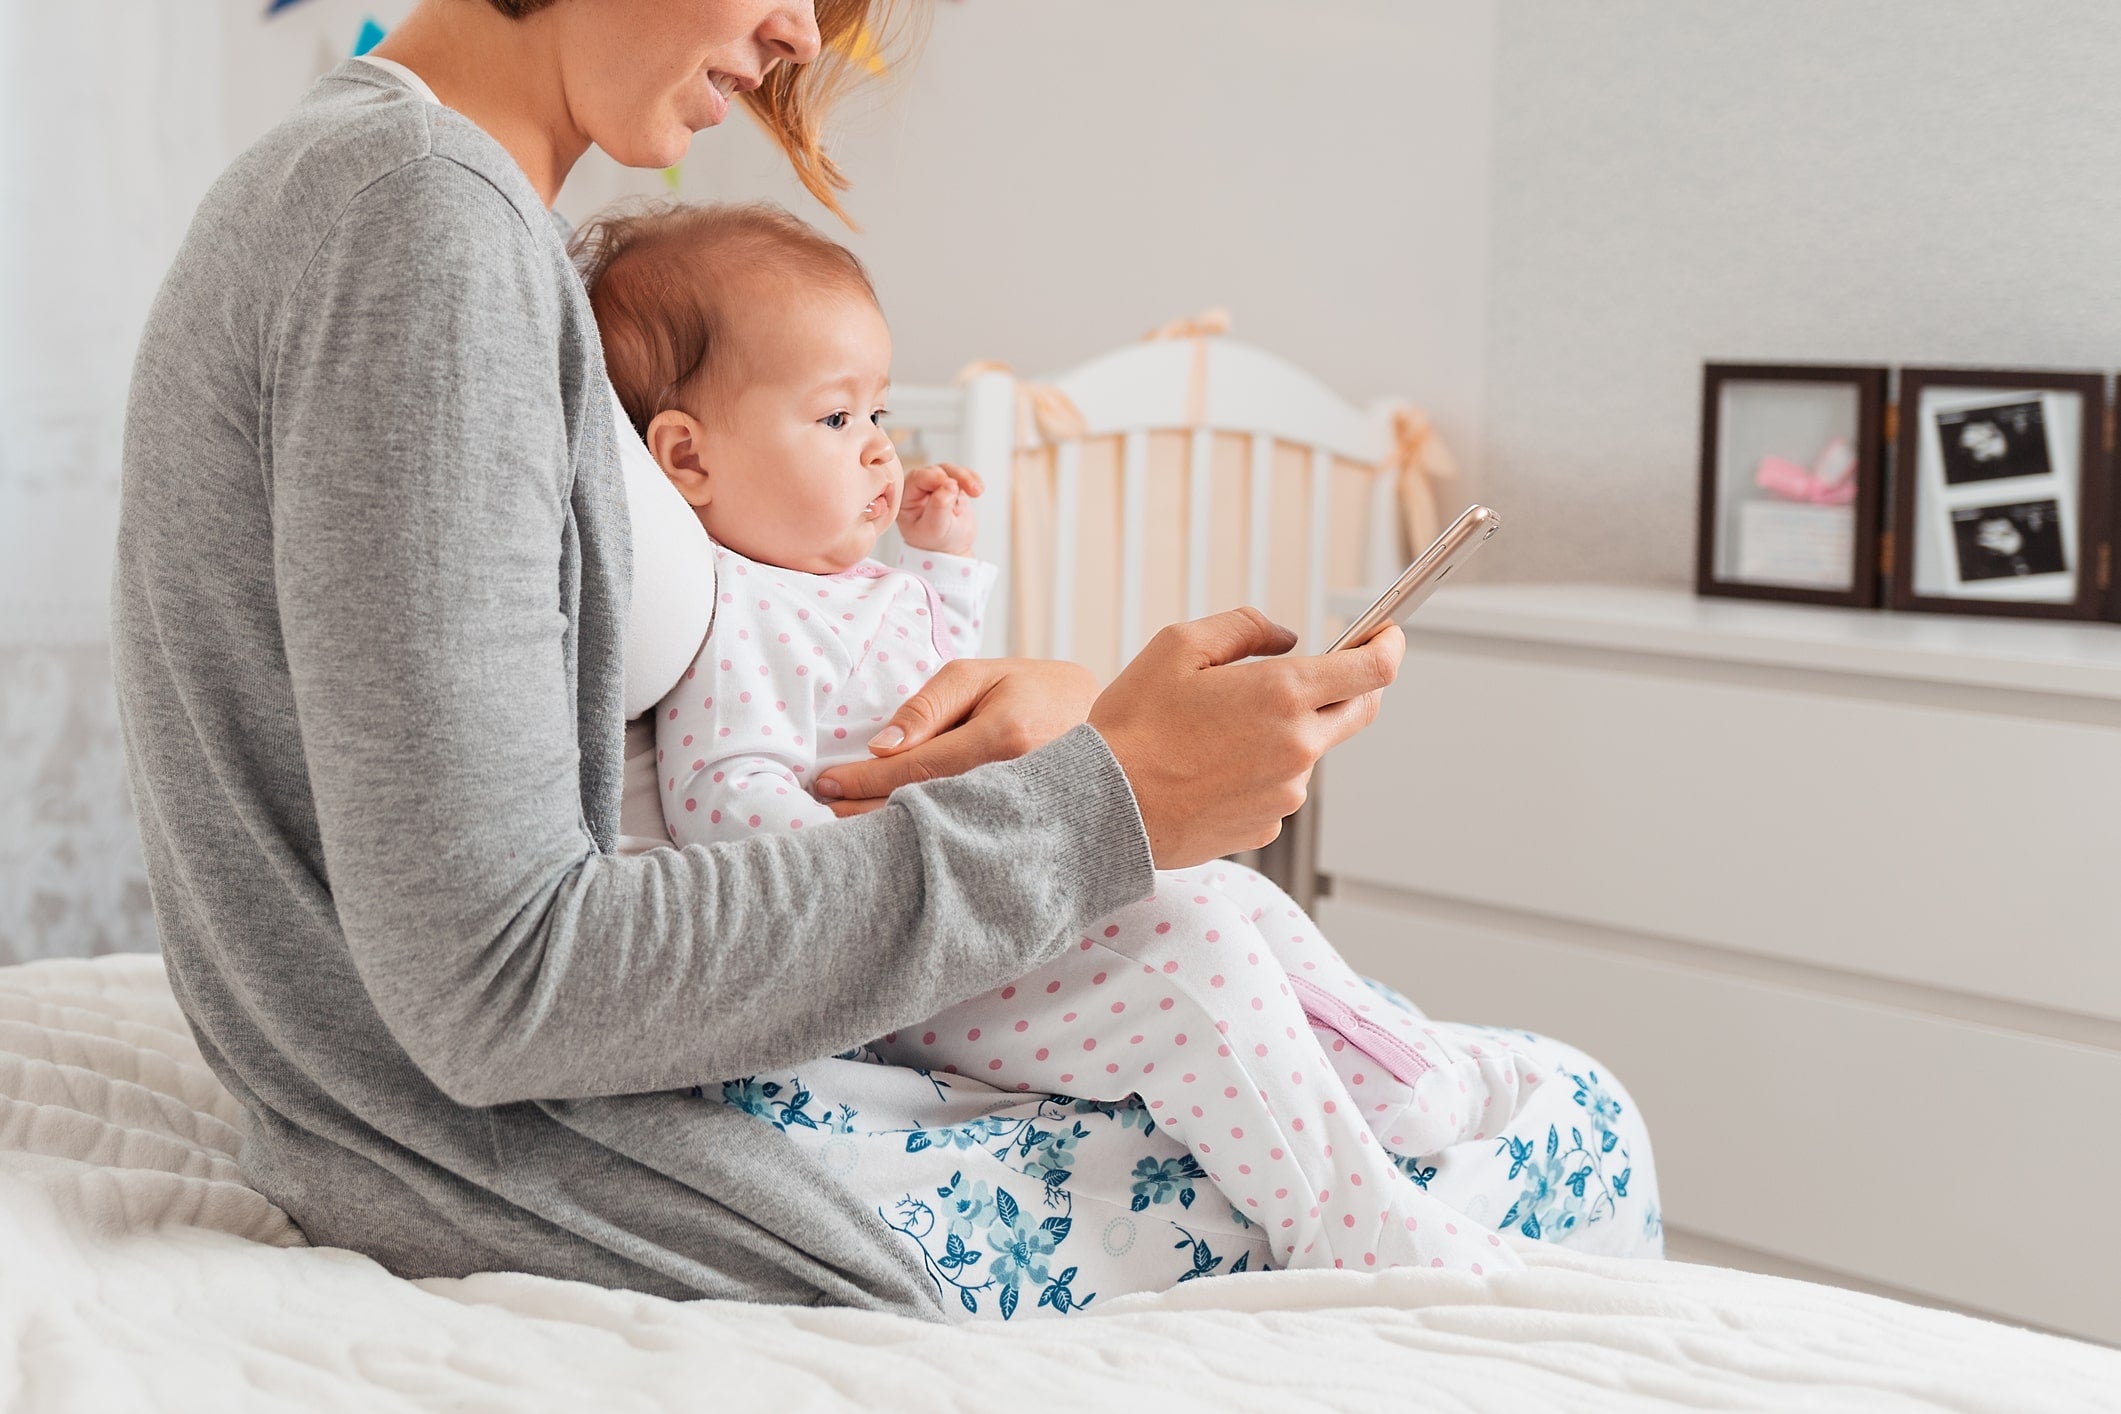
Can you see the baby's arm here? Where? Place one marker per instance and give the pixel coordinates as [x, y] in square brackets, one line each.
[961, 586]
[731, 759]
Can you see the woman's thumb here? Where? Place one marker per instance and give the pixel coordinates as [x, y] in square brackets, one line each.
[916, 720]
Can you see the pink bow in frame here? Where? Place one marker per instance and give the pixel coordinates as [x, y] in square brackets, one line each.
[1829, 481]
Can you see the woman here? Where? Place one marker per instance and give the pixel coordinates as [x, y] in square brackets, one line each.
[373, 572]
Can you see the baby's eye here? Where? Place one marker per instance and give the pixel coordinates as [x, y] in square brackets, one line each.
[879, 415]
[837, 421]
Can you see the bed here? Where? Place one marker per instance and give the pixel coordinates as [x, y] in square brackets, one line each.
[137, 1270]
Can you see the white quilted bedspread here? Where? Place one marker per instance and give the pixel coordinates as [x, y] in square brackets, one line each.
[137, 1271]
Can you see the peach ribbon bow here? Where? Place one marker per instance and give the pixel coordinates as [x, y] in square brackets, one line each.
[1211, 323]
[1426, 470]
[1044, 414]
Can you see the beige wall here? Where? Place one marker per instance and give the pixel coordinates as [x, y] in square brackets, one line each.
[1895, 181]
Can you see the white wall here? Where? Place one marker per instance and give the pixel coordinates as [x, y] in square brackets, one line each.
[1052, 179]
[1895, 181]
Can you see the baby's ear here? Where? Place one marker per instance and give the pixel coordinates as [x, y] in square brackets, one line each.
[675, 441]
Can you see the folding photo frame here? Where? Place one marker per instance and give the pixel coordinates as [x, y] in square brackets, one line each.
[2002, 494]
[1792, 483]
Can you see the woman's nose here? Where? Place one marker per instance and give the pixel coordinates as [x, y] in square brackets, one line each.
[789, 32]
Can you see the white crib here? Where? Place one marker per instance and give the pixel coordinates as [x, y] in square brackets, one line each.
[1171, 478]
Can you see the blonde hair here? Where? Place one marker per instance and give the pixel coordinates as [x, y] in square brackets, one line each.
[795, 99]
[664, 281]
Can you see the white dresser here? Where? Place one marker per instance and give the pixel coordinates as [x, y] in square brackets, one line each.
[1836, 895]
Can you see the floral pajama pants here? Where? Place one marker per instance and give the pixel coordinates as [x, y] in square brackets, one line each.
[1056, 1140]
[1218, 1003]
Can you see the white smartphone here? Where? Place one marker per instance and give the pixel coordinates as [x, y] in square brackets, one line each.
[1413, 588]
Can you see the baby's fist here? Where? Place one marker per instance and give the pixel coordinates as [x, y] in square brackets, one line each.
[936, 512]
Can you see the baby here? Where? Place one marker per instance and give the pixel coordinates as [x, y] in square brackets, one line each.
[751, 354]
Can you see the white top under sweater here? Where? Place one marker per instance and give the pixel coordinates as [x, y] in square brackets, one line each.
[798, 672]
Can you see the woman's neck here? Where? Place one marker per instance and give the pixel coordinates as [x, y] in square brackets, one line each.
[503, 75]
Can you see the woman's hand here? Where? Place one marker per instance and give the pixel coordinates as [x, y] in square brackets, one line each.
[1219, 750]
[935, 510]
[974, 711]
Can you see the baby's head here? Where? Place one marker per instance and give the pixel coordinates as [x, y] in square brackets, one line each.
[752, 357]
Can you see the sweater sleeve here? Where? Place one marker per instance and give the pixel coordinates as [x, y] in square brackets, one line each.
[420, 464]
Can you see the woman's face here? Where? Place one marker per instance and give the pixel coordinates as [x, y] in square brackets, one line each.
[643, 76]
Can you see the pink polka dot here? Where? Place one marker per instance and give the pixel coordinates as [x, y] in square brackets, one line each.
[1197, 1112]
[1166, 1004]
[1069, 1017]
[1260, 1051]
[973, 1034]
[1436, 1261]
[1099, 979]
[1043, 1053]
[1329, 1107]
[692, 805]
[1134, 1040]
[1112, 931]
[1118, 1007]
[1214, 937]
[795, 824]
[1369, 1259]
[1170, 967]
[928, 1039]
[1112, 1068]
[1237, 1133]
[1066, 1077]
[994, 1065]
[1089, 1043]
[1188, 1077]
[1346, 1219]
[1008, 992]
[715, 816]
[1275, 1154]
[1179, 1039]
[1052, 987]
[1163, 927]
[1476, 1269]
[1022, 1026]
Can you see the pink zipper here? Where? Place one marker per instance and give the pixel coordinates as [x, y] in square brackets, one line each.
[1404, 1062]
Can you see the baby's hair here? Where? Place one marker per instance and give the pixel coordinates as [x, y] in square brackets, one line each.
[663, 281]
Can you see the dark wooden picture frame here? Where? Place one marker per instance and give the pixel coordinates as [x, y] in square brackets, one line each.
[2095, 492]
[1869, 505]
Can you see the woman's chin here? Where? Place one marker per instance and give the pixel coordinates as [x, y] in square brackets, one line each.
[650, 151]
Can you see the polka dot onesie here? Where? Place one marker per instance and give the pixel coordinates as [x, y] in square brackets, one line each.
[798, 672]
[1216, 1000]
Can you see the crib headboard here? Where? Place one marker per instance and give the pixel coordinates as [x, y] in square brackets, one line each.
[1167, 480]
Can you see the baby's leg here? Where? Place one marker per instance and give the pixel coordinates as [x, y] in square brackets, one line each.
[1422, 1087]
[1178, 1000]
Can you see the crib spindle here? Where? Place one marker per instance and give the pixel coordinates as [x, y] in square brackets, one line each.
[1258, 520]
[1315, 572]
[1133, 541]
[1067, 525]
[1199, 518]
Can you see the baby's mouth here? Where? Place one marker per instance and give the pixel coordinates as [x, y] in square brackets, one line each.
[879, 507]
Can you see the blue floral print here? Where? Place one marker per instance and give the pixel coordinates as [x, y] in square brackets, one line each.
[1022, 1205]
[1579, 1184]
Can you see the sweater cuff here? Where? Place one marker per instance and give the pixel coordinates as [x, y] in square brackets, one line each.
[1102, 852]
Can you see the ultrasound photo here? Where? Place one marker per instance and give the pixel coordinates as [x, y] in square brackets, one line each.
[1992, 443]
[2002, 542]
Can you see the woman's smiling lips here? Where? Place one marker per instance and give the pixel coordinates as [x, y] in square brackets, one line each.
[721, 87]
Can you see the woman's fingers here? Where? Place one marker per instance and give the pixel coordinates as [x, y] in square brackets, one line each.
[974, 711]
[1222, 638]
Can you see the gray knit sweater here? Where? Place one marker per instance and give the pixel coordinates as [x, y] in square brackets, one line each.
[372, 575]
